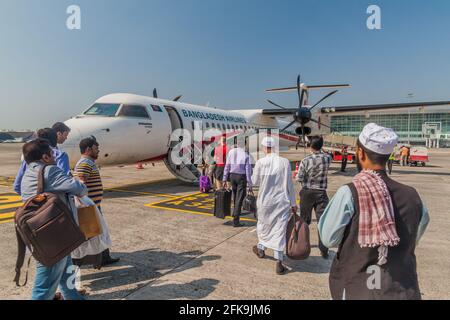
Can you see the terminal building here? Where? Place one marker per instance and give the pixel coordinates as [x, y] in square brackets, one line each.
[427, 126]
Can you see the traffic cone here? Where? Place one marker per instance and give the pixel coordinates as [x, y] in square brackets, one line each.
[139, 166]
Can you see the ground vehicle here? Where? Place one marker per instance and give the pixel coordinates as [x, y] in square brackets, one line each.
[418, 156]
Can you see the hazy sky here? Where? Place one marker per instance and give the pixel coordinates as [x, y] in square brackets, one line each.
[225, 52]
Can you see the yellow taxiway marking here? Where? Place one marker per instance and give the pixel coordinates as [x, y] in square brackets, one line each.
[159, 195]
[10, 206]
[8, 201]
[204, 204]
[6, 181]
[142, 184]
[194, 212]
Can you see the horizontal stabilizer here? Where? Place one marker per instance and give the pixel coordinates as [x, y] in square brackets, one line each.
[324, 86]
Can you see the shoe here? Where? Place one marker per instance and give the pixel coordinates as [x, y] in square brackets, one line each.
[109, 261]
[58, 296]
[281, 269]
[324, 255]
[238, 225]
[82, 292]
[259, 253]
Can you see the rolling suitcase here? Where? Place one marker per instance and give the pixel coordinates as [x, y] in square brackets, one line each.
[222, 204]
[205, 184]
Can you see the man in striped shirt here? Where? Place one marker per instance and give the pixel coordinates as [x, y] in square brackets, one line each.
[87, 171]
[313, 176]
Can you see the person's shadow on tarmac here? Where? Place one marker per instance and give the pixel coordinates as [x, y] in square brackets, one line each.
[136, 269]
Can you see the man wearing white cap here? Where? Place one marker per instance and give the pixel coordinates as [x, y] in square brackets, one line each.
[276, 200]
[376, 223]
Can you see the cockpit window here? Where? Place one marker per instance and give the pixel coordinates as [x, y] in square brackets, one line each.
[135, 111]
[103, 109]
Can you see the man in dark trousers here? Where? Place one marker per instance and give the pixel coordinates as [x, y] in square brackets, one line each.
[344, 153]
[313, 176]
[376, 223]
[238, 171]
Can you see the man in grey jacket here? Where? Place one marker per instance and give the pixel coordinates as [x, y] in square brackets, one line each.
[38, 153]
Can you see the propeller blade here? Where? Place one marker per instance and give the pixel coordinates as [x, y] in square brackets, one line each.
[177, 98]
[300, 95]
[155, 94]
[303, 133]
[324, 98]
[318, 122]
[290, 124]
[276, 105]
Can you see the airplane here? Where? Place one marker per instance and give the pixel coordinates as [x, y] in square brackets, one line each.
[136, 129]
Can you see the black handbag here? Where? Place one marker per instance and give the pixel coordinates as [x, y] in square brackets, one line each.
[249, 204]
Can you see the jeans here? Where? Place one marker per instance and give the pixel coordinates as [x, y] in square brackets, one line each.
[48, 279]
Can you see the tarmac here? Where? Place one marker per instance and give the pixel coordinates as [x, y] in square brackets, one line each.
[171, 247]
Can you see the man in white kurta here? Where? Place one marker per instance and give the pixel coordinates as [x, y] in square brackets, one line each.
[276, 200]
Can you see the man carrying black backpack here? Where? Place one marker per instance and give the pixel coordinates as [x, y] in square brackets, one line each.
[37, 154]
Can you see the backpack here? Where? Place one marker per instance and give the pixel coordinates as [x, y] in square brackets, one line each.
[205, 184]
[46, 226]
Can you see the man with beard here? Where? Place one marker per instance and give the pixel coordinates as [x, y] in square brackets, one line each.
[87, 171]
[376, 223]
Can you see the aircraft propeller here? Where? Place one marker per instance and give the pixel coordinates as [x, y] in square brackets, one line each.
[303, 114]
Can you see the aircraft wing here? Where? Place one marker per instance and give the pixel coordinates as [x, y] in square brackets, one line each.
[374, 107]
[369, 107]
[278, 112]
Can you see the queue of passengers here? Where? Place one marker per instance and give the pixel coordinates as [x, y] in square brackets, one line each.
[374, 221]
[58, 179]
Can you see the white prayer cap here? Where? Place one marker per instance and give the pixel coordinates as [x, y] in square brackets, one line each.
[268, 142]
[378, 139]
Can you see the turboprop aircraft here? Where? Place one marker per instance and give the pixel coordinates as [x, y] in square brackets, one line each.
[137, 129]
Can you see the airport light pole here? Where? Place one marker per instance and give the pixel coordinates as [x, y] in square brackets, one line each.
[410, 96]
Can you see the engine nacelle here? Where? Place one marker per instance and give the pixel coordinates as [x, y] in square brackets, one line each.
[306, 131]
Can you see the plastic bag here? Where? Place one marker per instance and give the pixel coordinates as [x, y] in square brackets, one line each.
[97, 244]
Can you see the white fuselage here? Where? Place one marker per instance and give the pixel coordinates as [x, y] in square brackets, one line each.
[145, 137]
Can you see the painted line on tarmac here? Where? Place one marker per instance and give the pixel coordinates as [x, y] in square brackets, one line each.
[153, 194]
[9, 201]
[6, 181]
[196, 203]
[142, 184]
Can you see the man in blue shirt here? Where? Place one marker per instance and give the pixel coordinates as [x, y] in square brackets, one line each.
[38, 153]
[238, 170]
[376, 223]
[61, 158]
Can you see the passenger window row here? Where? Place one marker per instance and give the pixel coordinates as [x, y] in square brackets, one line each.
[224, 126]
